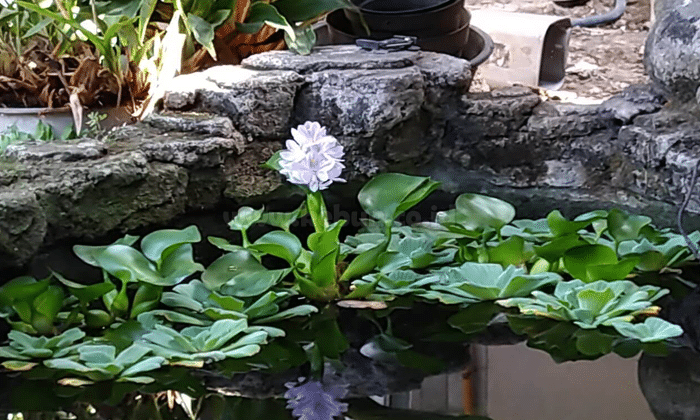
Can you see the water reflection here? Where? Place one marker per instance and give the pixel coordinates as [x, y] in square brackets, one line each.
[348, 355]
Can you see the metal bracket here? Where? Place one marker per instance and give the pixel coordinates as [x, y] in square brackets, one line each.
[396, 43]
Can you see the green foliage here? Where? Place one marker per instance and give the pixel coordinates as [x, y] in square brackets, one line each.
[196, 300]
[224, 338]
[35, 303]
[566, 341]
[165, 259]
[652, 329]
[105, 42]
[590, 305]
[388, 195]
[241, 275]
[25, 347]
[101, 362]
[473, 256]
[490, 281]
[294, 17]
[476, 213]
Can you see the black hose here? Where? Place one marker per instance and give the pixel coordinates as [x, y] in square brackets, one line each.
[596, 20]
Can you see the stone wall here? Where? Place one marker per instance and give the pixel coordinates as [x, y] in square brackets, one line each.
[405, 111]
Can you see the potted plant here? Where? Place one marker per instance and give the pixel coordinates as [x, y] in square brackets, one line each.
[58, 58]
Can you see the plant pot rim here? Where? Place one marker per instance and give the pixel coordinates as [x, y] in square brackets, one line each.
[35, 110]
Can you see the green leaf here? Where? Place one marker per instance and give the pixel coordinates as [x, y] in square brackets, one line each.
[284, 220]
[241, 275]
[264, 306]
[261, 12]
[560, 226]
[97, 354]
[314, 292]
[388, 195]
[22, 288]
[224, 244]
[652, 329]
[509, 252]
[128, 265]
[89, 254]
[85, 293]
[37, 28]
[578, 260]
[47, 305]
[484, 212]
[304, 10]
[97, 318]
[301, 310]
[616, 271]
[553, 250]
[363, 290]
[146, 298]
[131, 355]
[365, 262]
[203, 32]
[279, 244]
[252, 27]
[304, 40]
[178, 265]
[593, 342]
[245, 218]
[156, 246]
[624, 227]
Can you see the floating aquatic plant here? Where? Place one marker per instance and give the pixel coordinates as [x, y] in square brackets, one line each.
[224, 338]
[99, 362]
[652, 329]
[590, 305]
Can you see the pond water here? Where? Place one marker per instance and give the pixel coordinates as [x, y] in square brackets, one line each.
[408, 361]
[471, 323]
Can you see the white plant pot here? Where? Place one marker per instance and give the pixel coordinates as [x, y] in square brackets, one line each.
[60, 119]
[26, 119]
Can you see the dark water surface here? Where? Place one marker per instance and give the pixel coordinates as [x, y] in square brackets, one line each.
[415, 361]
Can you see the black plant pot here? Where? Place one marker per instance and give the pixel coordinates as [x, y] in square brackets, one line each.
[422, 18]
[453, 43]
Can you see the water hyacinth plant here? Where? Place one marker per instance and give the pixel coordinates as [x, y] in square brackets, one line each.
[245, 309]
[599, 304]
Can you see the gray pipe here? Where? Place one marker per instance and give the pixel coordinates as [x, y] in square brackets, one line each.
[596, 20]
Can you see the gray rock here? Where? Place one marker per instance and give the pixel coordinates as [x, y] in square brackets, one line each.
[404, 111]
[671, 384]
[363, 102]
[336, 57]
[202, 153]
[259, 103]
[56, 150]
[22, 227]
[672, 52]
[119, 193]
[192, 122]
[634, 100]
